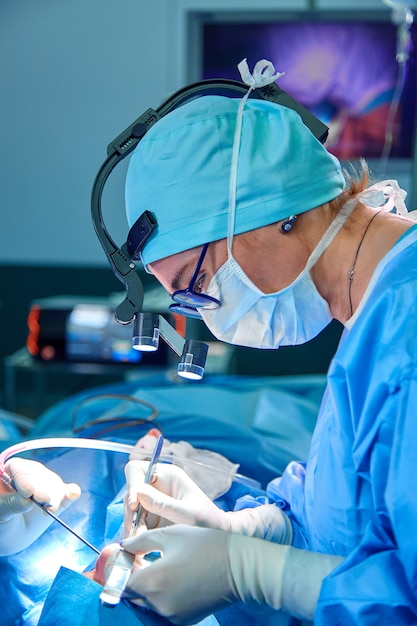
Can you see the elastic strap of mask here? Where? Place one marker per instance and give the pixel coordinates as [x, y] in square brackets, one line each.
[384, 195]
[263, 74]
[331, 232]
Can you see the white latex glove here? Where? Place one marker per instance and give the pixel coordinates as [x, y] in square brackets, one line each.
[228, 567]
[21, 522]
[173, 498]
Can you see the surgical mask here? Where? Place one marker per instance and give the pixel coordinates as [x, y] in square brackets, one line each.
[248, 317]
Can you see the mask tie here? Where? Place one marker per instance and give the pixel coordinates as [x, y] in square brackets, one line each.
[263, 74]
[386, 195]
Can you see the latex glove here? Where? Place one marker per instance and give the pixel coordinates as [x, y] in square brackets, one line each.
[194, 559]
[228, 567]
[21, 522]
[174, 498]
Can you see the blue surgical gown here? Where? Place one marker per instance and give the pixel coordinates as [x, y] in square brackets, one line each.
[357, 494]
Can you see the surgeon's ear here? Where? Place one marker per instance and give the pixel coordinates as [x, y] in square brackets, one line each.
[288, 224]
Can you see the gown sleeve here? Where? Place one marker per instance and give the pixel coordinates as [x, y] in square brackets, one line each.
[377, 583]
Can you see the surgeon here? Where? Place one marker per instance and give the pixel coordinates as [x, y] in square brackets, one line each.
[284, 241]
[21, 521]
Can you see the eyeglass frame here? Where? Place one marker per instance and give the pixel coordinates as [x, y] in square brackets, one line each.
[186, 300]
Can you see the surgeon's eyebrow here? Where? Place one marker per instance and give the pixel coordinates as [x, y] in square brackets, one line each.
[178, 279]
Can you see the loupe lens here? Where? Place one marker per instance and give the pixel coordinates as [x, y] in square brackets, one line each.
[196, 300]
[193, 360]
[183, 309]
[146, 332]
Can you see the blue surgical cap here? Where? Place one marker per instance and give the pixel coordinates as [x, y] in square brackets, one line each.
[180, 172]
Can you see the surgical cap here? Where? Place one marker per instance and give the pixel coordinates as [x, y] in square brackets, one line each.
[180, 172]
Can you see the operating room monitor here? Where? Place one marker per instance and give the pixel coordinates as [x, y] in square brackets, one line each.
[340, 65]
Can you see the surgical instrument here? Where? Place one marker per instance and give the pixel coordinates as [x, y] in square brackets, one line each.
[148, 479]
[44, 507]
[115, 586]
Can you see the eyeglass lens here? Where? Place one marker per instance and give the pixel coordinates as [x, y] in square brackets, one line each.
[187, 301]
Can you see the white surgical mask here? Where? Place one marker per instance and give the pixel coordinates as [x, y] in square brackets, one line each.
[291, 316]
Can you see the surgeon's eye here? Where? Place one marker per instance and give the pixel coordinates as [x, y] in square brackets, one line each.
[199, 284]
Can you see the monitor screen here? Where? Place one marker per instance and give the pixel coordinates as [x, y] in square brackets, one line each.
[341, 67]
[92, 334]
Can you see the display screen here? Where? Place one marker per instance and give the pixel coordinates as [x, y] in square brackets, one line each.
[343, 70]
[92, 334]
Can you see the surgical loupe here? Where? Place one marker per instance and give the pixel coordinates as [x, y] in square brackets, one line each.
[148, 327]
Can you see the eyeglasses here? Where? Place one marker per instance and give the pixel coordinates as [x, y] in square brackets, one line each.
[188, 301]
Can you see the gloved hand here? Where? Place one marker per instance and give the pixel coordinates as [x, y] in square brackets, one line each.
[21, 522]
[174, 498]
[228, 567]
